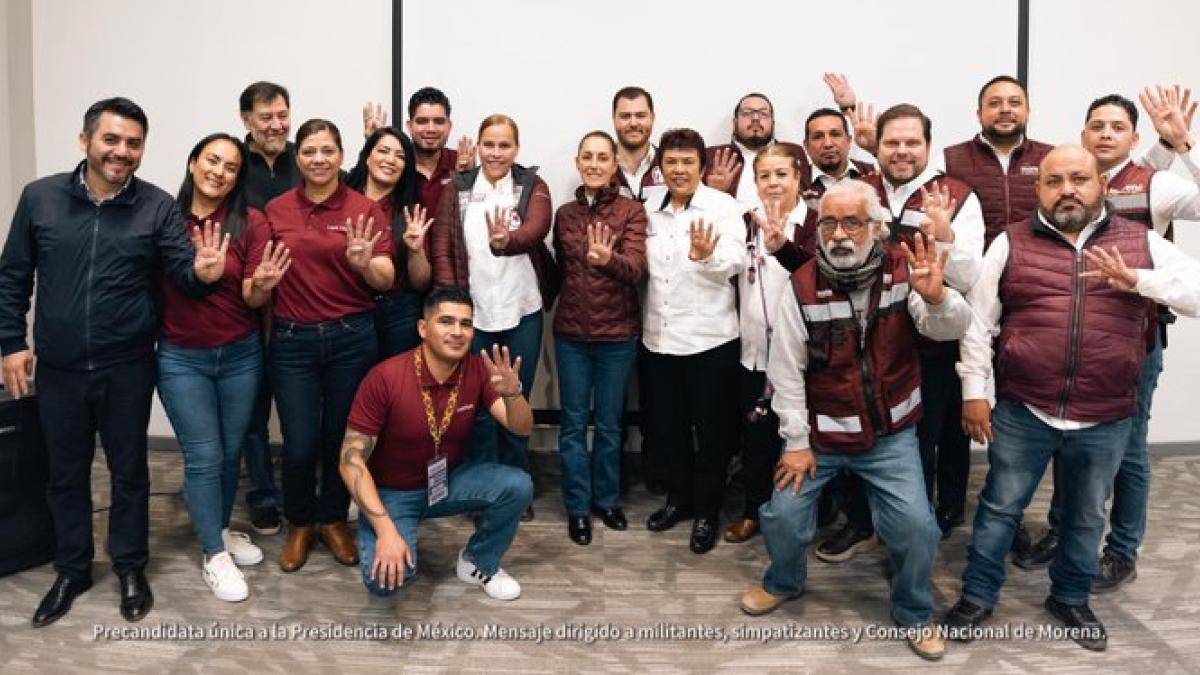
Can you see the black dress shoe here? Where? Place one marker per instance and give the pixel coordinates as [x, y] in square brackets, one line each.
[1040, 553]
[1086, 629]
[58, 599]
[963, 618]
[613, 519]
[1115, 570]
[666, 517]
[580, 529]
[136, 598]
[948, 519]
[704, 535]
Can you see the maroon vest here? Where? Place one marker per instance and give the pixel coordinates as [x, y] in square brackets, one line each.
[1129, 193]
[651, 178]
[857, 391]
[1004, 197]
[1070, 346]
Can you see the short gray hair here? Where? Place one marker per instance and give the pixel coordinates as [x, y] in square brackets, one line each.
[856, 188]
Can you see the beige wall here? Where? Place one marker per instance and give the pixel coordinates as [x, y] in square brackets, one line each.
[16, 106]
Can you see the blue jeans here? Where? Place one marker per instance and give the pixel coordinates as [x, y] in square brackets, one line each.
[256, 452]
[587, 371]
[315, 371]
[902, 514]
[489, 441]
[209, 394]
[396, 316]
[497, 493]
[1017, 458]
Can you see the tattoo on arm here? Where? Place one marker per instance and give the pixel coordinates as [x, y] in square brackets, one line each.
[356, 448]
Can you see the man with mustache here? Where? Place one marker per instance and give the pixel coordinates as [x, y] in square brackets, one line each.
[848, 394]
[1155, 199]
[637, 158]
[98, 240]
[753, 129]
[1069, 349]
[405, 437]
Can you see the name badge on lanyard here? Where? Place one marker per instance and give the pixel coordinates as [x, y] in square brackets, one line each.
[439, 483]
[436, 473]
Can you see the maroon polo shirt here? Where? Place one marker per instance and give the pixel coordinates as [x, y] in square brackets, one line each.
[431, 188]
[389, 406]
[320, 285]
[221, 317]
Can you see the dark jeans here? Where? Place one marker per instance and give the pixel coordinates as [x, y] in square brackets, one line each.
[697, 391]
[591, 372]
[316, 370]
[761, 443]
[73, 406]
[490, 442]
[945, 449]
[256, 451]
[396, 316]
[654, 464]
[1017, 458]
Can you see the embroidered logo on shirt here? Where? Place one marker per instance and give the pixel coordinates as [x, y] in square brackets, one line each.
[1029, 171]
[825, 293]
[464, 408]
[1129, 190]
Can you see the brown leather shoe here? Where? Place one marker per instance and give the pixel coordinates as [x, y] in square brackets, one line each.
[929, 644]
[295, 550]
[759, 600]
[741, 530]
[340, 542]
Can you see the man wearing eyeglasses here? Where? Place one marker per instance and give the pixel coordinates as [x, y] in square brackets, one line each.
[848, 394]
[753, 129]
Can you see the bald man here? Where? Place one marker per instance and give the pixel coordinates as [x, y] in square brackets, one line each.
[1074, 275]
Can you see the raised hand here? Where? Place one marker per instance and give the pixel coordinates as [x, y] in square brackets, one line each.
[925, 268]
[704, 240]
[416, 225]
[374, 117]
[18, 368]
[466, 154]
[502, 372]
[360, 242]
[839, 86]
[771, 224]
[210, 251]
[939, 207]
[863, 119]
[977, 419]
[600, 239]
[497, 224]
[1111, 269]
[277, 259]
[725, 164]
[1171, 110]
[793, 466]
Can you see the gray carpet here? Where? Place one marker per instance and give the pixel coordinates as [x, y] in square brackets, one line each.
[631, 602]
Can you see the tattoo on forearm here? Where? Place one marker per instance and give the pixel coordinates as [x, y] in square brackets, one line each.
[357, 446]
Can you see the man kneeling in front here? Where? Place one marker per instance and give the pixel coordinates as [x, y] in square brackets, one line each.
[847, 381]
[411, 417]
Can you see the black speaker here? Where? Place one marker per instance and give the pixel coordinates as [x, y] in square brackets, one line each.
[26, 527]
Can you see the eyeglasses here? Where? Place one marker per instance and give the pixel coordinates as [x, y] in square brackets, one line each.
[851, 225]
[754, 113]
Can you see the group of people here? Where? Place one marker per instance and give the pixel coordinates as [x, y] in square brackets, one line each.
[829, 309]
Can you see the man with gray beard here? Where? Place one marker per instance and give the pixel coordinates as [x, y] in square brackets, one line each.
[1040, 290]
[848, 395]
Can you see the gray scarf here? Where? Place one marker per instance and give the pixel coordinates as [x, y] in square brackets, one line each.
[849, 280]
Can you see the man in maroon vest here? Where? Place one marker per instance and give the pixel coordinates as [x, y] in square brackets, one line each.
[637, 157]
[1155, 199]
[848, 394]
[727, 167]
[1068, 353]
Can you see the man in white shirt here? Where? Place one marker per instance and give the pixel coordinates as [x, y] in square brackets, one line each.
[728, 167]
[848, 394]
[694, 246]
[1069, 352]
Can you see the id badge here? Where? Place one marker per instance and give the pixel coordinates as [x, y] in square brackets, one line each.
[439, 487]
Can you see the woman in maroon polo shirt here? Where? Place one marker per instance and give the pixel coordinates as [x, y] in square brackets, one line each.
[323, 336]
[210, 359]
[386, 173]
[600, 246]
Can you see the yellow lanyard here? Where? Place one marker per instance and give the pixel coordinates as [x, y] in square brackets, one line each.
[436, 429]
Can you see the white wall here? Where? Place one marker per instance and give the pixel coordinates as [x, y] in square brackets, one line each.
[186, 63]
[1083, 49]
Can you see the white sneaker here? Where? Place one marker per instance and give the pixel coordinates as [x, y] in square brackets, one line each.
[224, 578]
[499, 585]
[239, 546]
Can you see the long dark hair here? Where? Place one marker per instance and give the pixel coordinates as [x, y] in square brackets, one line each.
[406, 192]
[236, 219]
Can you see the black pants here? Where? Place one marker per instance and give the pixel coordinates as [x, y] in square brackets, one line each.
[654, 466]
[761, 443]
[945, 449]
[73, 406]
[698, 391]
